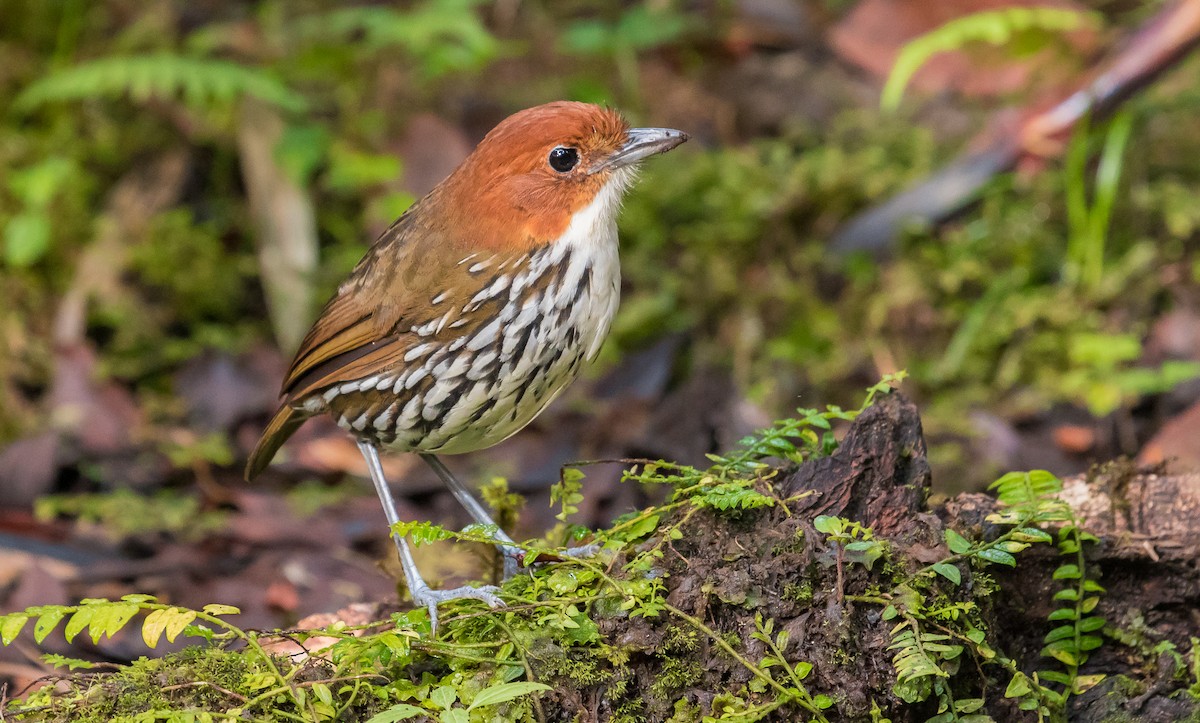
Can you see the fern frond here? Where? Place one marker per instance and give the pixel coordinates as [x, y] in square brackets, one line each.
[997, 27]
[196, 81]
[446, 36]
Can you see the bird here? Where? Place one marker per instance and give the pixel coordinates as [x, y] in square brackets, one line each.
[475, 308]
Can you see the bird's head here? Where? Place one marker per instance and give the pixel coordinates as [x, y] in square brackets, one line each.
[538, 168]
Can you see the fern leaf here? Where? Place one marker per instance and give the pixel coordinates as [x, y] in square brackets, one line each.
[195, 81]
[992, 26]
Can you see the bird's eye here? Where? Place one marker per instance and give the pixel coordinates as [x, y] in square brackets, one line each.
[563, 159]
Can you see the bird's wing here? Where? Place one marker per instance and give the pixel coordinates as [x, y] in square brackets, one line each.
[360, 324]
[345, 326]
[367, 327]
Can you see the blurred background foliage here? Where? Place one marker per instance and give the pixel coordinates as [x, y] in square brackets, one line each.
[130, 224]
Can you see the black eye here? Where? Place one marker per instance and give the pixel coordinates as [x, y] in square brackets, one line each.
[563, 159]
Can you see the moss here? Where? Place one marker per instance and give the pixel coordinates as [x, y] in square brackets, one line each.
[582, 667]
[1125, 687]
[801, 592]
[675, 674]
[685, 712]
[165, 683]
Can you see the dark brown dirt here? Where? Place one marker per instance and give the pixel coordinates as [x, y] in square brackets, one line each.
[726, 569]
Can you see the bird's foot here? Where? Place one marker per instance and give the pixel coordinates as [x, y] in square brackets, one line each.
[514, 557]
[581, 551]
[431, 598]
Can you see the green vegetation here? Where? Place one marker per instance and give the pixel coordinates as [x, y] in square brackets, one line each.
[1043, 293]
[504, 665]
[993, 312]
[1025, 29]
[123, 144]
[551, 625]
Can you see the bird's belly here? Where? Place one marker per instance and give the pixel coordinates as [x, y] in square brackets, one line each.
[483, 388]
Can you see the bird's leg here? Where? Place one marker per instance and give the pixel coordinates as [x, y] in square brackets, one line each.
[421, 593]
[513, 555]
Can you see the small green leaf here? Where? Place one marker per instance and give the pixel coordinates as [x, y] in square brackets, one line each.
[1063, 614]
[177, 622]
[78, 621]
[1087, 625]
[999, 557]
[1055, 676]
[26, 239]
[641, 528]
[1012, 546]
[1060, 633]
[1089, 604]
[10, 626]
[62, 661]
[1063, 651]
[956, 542]
[216, 609]
[505, 692]
[47, 621]
[119, 615]
[828, 524]
[139, 598]
[153, 626]
[862, 546]
[1018, 686]
[1067, 572]
[1031, 534]
[1070, 594]
[948, 571]
[454, 715]
[1085, 682]
[443, 696]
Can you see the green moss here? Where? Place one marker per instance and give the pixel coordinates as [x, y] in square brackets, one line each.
[801, 592]
[677, 668]
[580, 667]
[194, 678]
[685, 712]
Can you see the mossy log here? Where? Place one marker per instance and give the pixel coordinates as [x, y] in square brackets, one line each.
[759, 612]
[773, 563]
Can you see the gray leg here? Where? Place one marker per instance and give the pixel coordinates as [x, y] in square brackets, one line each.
[421, 593]
[512, 553]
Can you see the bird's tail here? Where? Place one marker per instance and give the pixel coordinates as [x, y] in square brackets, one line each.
[285, 422]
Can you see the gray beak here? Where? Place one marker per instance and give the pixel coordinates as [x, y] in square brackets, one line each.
[641, 144]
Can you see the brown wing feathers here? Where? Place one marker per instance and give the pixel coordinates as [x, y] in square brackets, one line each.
[285, 422]
[353, 335]
[364, 330]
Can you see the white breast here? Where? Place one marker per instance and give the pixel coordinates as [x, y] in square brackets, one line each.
[490, 388]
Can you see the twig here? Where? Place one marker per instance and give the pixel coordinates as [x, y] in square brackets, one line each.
[206, 684]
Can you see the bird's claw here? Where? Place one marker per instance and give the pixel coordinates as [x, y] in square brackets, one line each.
[431, 598]
[514, 557]
[589, 550]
